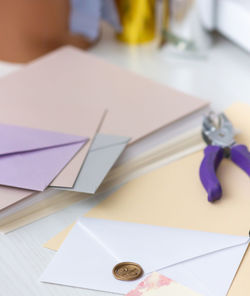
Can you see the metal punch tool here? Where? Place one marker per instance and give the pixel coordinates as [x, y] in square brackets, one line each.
[218, 133]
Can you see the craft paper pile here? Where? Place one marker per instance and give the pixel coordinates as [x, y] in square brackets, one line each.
[76, 94]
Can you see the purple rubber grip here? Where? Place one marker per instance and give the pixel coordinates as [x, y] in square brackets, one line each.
[241, 157]
[213, 155]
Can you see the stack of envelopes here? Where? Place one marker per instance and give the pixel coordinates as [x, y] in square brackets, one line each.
[66, 118]
[163, 222]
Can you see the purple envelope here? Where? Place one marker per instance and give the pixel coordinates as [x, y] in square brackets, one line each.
[32, 158]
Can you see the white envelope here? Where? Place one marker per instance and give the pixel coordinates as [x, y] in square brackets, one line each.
[205, 262]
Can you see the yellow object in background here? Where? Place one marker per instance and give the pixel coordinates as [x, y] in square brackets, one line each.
[138, 20]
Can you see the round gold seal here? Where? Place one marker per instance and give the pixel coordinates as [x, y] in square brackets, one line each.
[127, 271]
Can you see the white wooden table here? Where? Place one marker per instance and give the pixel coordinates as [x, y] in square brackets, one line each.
[224, 77]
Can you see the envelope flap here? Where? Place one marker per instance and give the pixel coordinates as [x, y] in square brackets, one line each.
[17, 139]
[103, 141]
[155, 247]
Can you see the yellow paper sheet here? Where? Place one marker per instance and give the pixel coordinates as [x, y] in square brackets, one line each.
[173, 196]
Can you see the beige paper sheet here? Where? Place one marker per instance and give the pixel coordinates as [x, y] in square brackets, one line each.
[173, 196]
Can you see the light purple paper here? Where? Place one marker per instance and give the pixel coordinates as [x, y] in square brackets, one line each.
[32, 158]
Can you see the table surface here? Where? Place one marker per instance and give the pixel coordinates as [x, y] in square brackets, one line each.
[222, 78]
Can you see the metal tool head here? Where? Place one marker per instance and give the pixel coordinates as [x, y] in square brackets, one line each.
[218, 130]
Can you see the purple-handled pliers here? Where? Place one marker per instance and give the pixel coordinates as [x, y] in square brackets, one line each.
[218, 133]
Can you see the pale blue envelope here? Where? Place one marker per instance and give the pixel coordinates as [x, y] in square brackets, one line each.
[103, 154]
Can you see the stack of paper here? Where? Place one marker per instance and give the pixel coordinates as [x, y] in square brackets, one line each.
[65, 120]
[163, 222]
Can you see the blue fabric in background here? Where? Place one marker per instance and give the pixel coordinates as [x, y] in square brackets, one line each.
[85, 17]
[110, 15]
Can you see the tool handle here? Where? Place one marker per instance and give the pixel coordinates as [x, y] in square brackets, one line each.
[241, 157]
[213, 155]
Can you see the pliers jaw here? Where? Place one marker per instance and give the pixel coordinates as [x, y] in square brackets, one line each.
[217, 130]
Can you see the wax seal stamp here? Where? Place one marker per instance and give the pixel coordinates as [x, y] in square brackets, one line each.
[127, 271]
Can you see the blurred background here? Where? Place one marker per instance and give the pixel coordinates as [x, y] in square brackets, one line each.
[30, 28]
[198, 46]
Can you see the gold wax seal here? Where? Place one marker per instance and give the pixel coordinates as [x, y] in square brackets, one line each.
[127, 271]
